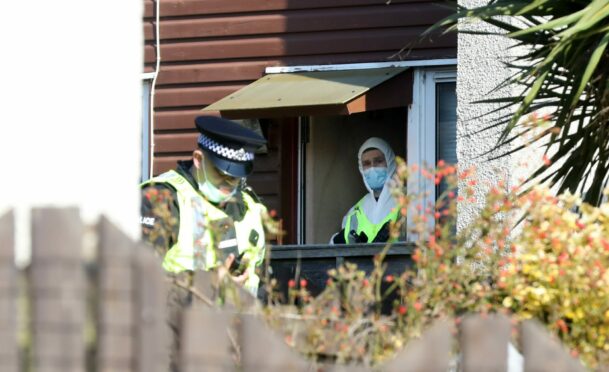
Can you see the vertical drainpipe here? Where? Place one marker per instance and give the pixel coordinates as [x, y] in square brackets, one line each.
[153, 85]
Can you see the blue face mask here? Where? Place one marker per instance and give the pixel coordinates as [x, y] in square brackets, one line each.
[375, 177]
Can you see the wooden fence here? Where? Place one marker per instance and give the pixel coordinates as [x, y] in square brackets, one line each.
[65, 313]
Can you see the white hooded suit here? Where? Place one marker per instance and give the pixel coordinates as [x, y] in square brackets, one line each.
[376, 209]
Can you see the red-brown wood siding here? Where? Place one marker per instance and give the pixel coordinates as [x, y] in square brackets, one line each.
[211, 48]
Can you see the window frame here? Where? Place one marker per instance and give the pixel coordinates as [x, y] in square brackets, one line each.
[146, 160]
[421, 141]
[422, 136]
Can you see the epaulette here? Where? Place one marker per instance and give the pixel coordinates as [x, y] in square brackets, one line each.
[160, 186]
[252, 194]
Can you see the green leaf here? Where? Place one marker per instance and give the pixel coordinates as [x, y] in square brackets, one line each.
[594, 61]
[565, 69]
[551, 25]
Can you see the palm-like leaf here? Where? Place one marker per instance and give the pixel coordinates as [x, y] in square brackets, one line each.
[566, 71]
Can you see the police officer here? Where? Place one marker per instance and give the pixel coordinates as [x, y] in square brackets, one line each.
[212, 216]
[369, 219]
[201, 216]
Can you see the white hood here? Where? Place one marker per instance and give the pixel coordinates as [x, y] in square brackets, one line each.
[377, 143]
[377, 209]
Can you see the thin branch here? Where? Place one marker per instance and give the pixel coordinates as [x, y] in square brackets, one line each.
[194, 291]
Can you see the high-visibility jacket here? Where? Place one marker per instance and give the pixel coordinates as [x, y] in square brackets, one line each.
[199, 239]
[357, 221]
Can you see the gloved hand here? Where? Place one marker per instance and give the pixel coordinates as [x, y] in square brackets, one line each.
[361, 238]
[353, 237]
[339, 238]
[383, 234]
[238, 266]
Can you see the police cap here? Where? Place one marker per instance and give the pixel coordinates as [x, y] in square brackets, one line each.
[229, 145]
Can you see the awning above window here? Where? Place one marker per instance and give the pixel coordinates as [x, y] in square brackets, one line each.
[318, 93]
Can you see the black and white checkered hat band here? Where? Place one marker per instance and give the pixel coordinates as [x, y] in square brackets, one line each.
[226, 152]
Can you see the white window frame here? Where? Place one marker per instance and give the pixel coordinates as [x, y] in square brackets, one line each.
[422, 141]
[145, 170]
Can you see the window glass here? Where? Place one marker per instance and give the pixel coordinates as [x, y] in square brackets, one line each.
[446, 125]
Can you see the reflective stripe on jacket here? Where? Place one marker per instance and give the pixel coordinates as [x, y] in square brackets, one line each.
[203, 226]
[358, 221]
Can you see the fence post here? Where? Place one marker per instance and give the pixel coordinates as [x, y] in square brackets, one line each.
[115, 321]
[205, 340]
[542, 353]
[350, 368]
[57, 290]
[152, 332]
[264, 350]
[204, 282]
[484, 342]
[8, 295]
[429, 353]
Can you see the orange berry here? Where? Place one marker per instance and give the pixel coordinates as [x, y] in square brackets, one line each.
[546, 160]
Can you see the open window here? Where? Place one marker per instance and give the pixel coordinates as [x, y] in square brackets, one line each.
[333, 183]
[422, 134]
[315, 124]
[321, 119]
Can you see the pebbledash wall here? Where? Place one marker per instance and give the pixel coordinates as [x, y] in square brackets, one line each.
[211, 48]
[480, 69]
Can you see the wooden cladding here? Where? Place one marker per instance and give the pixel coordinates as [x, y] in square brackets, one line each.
[240, 70]
[193, 96]
[211, 48]
[208, 7]
[389, 39]
[310, 20]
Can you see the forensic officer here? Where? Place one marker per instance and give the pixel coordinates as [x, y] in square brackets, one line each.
[369, 219]
[209, 217]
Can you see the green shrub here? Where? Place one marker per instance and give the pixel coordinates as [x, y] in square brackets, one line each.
[530, 255]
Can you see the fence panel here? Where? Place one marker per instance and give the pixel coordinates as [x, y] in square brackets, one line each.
[131, 293]
[542, 353]
[115, 291]
[8, 295]
[152, 333]
[206, 341]
[205, 288]
[263, 350]
[430, 353]
[57, 291]
[347, 368]
[484, 343]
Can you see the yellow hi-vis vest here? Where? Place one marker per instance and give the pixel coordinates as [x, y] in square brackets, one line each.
[196, 245]
[358, 222]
